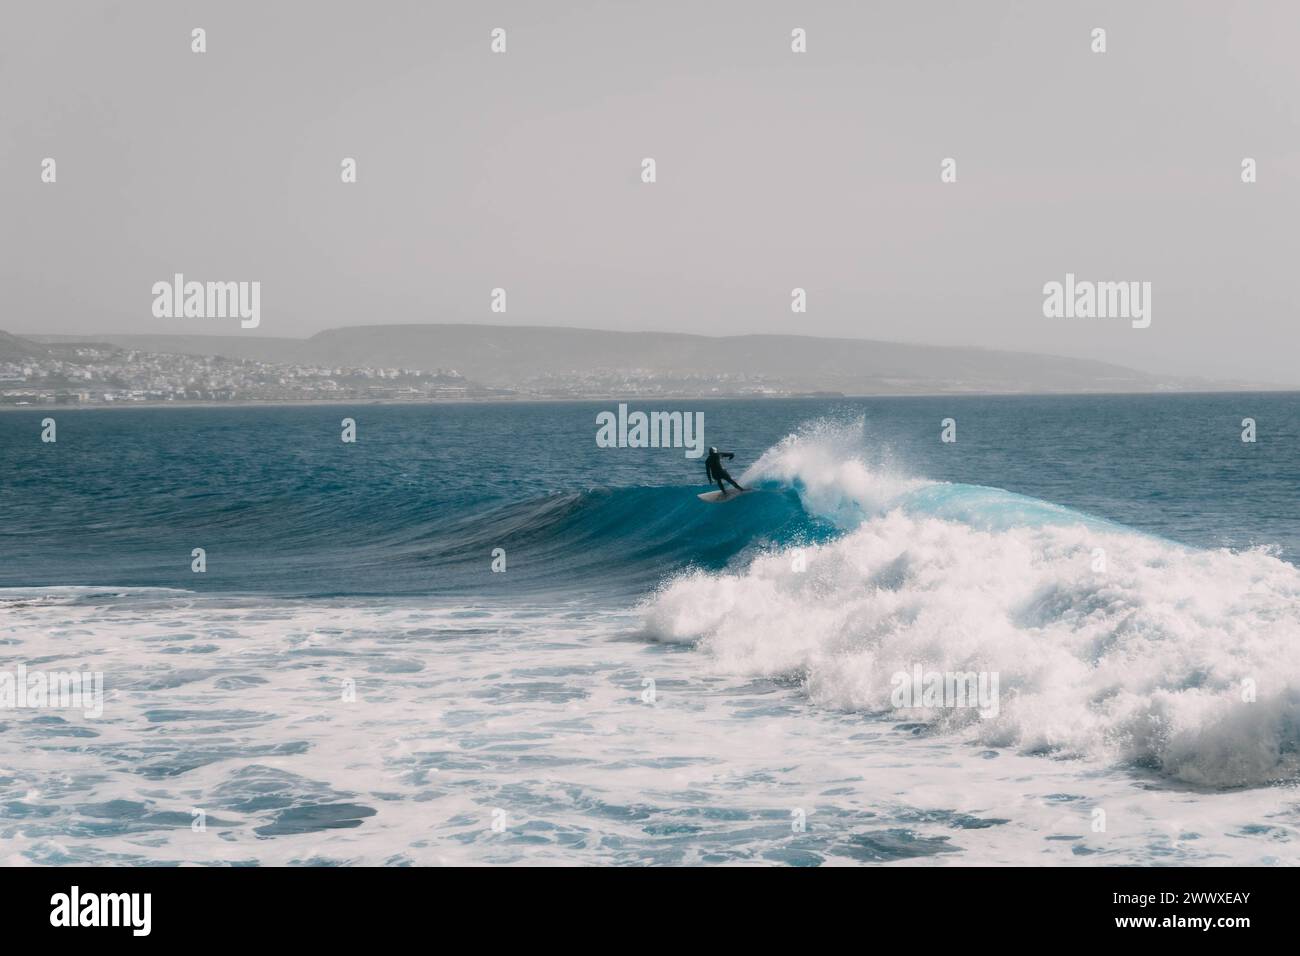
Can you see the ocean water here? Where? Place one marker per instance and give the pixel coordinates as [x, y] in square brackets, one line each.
[653, 679]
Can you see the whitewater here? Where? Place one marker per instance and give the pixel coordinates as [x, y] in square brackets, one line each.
[1109, 644]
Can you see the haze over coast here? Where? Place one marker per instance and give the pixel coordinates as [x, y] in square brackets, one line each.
[485, 361]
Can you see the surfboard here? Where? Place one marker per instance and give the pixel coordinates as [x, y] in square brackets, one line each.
[714, 496]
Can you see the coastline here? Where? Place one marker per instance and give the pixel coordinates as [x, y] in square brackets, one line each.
[587, 399]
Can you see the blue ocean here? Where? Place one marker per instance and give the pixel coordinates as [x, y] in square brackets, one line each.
[474, 636]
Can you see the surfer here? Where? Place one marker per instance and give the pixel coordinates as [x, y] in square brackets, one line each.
[713, 468]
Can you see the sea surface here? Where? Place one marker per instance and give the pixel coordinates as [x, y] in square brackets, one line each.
[653, 679]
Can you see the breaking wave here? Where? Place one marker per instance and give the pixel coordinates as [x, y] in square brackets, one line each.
[1108, 643]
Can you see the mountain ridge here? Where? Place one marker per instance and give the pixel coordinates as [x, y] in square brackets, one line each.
[528, 355]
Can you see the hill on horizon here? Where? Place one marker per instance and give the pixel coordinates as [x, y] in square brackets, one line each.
[511, 356]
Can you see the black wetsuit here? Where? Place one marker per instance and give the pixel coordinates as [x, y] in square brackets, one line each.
[713, 467]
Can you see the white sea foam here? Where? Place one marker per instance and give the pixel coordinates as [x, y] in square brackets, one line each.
[232, 706]
[1151, 662]
[842, 488]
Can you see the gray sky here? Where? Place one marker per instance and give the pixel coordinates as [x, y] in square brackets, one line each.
[775, 169]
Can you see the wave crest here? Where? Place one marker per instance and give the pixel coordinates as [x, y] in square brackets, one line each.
[1182, 660]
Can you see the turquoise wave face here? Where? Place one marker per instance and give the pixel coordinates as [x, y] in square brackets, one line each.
[612, 540]
[993, 509]
[280, 506]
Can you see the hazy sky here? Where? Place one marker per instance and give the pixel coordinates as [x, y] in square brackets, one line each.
[775, 169]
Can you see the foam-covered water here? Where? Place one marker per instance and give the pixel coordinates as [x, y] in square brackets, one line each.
[1109, 644]
[651, 680]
